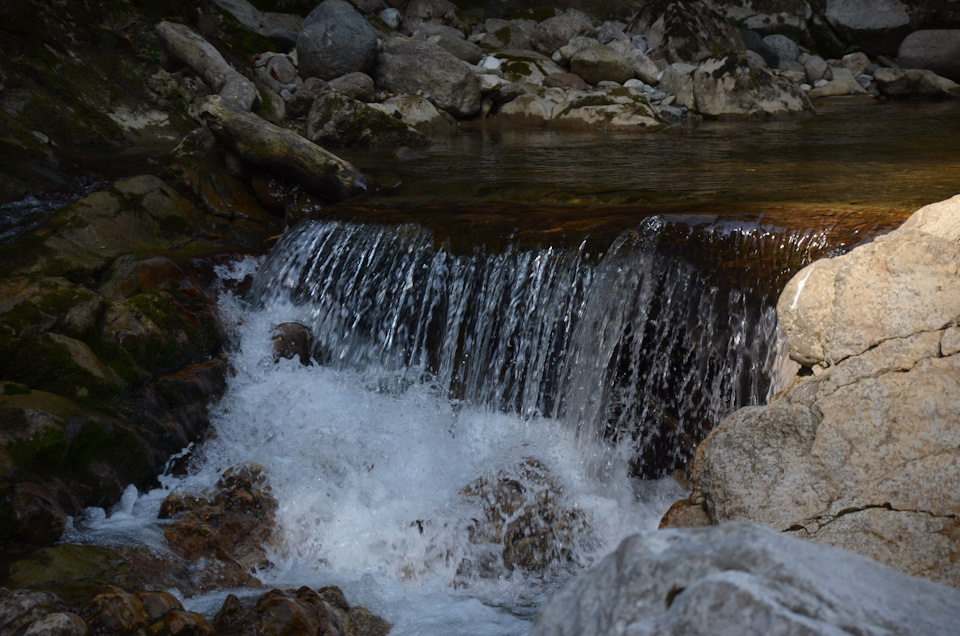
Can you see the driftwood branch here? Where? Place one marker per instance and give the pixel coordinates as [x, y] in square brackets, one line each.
[205, 60]
[283, 151]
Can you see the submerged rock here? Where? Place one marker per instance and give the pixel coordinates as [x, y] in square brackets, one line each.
[863, 453]
[743, 579]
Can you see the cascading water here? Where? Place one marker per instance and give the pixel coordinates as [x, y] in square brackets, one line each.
[472, 432]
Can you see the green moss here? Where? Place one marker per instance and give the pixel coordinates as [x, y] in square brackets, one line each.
[39, 452]
[517, 67]
[110, 443]
[25, 317]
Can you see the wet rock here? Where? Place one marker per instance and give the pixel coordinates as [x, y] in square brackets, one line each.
[412, 66]
[523, 517]
[75, 573]
[302, 611]
[741, 578]
[598, 63]
[115, 611]
[532, 109]
[420, 12]
[39, 519]
[936, 50]
[679, 31]
[335, 40]
[552, 33]
[340, 120]
[617, 108]
[233, 524]
[358, 86]
[292, 339]
[858, 454]
[179, 622]
[156, 604]
[301, 101]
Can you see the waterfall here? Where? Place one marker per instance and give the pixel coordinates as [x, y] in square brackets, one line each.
[641, 346]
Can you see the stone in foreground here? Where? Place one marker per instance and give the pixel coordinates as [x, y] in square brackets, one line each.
[742, 579]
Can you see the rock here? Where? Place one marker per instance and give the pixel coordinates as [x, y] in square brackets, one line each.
[156, 604]
[856, 63]
[843, 83]
[302, 611]
[58, 624]
[677, 78]
[643, 67]
[391, 17]
[453, 42]
[337, 119]
[878, 27]
[597, 63]
[335, 40]
[39, 519]
[358, 86]
[419, 113]
[682, 31]
[301, 101]
[277, 31]
[20, 608]
[281, 68]
[914, 83]
[183, 623]
[861, 454]
[766, 18]
[531, 109]
[411, 66]
[566, 80]
[235, 523]
[785, 48]
[753, 41]
[522, 518]
[735, 85]
[743, 579]
[552, 33]
[292, 339]
[936, 50]
[612, 31]
[816, 68]
[115, 611]
[576, 44]
[420, 12]
[370, 7]
[527, 67]
[507, 34]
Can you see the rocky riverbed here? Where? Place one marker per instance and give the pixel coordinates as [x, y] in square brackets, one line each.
[198, 133]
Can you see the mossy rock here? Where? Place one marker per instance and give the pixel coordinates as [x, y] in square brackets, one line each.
[75, 573]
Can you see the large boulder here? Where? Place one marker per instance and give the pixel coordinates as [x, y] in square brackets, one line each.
[598, 63]
[422, 12]
[743, 579]
[684, 31]
[877, 26]
[339, 120]
[914, 82]
[412, 66]
[335, 40]
[864, 453]
[733, 85]
[552, 33]
[936, 50]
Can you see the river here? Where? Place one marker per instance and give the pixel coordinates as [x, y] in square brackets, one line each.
[564, 311]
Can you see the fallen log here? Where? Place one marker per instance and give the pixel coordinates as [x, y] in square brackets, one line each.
[282, 151]
[205, 61]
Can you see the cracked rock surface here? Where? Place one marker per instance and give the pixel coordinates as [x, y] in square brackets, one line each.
[864, 454]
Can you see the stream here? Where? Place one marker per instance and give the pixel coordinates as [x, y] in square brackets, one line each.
[568, 312]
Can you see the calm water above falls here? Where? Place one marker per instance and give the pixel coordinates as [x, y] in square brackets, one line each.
[595, 303]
